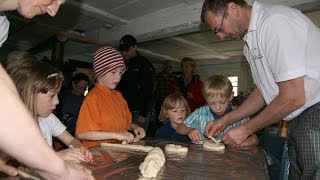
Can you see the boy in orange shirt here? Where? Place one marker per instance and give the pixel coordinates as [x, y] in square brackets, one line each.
[104, 115]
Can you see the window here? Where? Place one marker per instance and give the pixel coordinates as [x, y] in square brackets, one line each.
[234, 82]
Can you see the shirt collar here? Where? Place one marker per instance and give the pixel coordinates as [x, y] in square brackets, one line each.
[256, 8]
[216, 116]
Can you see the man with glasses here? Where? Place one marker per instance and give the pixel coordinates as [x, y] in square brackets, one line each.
[282, 48]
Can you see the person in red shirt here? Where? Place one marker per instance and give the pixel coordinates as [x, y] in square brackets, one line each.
[189, 84]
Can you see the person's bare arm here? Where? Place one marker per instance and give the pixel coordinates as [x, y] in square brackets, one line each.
[291, 97]
[101, 135]
[68, 140]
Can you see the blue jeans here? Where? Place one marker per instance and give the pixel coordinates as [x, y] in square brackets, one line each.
[276, 151]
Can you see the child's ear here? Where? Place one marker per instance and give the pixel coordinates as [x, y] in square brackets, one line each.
[231, 96]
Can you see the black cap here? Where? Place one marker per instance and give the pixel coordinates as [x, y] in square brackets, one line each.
[126, 41]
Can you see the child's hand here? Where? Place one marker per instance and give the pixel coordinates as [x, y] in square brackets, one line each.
[87, 155]
[125, 136]
[72, 154]
[139, 132]
[194, 135]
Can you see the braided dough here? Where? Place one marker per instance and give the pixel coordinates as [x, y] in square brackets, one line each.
[173, 148]
[152, 164]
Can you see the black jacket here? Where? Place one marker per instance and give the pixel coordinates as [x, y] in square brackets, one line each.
[137, 84]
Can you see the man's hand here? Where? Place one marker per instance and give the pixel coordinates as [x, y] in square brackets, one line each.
[213, 128]
[9, 170]
[236, 136]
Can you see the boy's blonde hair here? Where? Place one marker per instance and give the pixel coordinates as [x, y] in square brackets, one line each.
[217, 86]
[170, 102]
[31, 77]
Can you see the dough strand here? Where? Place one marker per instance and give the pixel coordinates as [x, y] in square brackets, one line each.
[129, 146]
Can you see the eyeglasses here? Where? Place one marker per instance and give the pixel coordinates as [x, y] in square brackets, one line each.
[220, 28]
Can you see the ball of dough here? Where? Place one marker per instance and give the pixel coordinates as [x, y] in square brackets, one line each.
[173, 148]
[213, 146]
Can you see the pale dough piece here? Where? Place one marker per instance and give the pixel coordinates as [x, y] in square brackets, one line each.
[157, 154]
[129, 146]
[136, 139]
[173, 148]
[152, 164]
[213, 146]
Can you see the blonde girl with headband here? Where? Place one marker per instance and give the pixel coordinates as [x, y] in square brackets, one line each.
[38, 84]
[173, 112]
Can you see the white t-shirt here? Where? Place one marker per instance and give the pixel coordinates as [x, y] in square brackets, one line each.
[283, 44]
[51, 126]
[4, 28]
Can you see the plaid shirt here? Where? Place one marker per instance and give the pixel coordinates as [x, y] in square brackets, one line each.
[162, 87]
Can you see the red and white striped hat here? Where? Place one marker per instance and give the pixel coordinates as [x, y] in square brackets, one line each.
[105, 60]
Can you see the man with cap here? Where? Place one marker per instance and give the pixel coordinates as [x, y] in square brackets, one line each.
[20, 135]
[137, 83]
[104, 115]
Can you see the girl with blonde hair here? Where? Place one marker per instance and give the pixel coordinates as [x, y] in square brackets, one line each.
[173, 112]
[38, 84]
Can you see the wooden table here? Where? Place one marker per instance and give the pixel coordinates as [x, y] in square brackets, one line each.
[233, 163]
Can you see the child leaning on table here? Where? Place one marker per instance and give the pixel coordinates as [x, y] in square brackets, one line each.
[104, 115]
[174, 111]
[38, 85]
[217, 91]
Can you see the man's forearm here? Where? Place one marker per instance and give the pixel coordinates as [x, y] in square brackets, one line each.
[291, 97]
